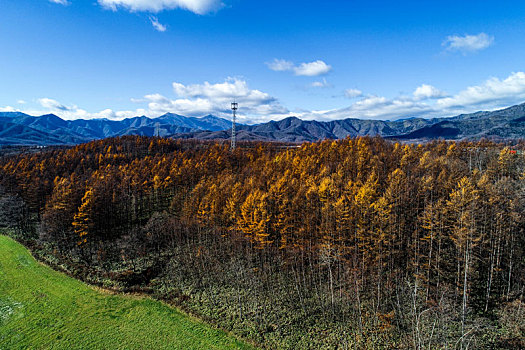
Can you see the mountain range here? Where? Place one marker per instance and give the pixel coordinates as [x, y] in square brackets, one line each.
[21, 129]
[508, 123]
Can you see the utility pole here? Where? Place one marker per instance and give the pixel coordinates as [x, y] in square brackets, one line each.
[234, 109]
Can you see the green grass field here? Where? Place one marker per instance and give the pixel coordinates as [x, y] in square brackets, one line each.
[44, 309]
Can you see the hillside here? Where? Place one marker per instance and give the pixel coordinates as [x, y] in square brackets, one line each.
[359, 243]
[41, 308]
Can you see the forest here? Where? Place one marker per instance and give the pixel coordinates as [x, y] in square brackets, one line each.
[358, 243]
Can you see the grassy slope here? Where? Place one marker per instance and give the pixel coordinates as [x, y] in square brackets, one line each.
[44, 309]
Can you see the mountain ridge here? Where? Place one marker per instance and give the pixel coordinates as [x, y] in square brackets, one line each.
[506, 123]
[50, 129]
[17, 128]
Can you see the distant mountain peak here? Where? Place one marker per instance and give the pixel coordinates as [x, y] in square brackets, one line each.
[13, 114]
[169, 114]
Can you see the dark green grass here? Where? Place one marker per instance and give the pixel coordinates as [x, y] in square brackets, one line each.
[44, 309]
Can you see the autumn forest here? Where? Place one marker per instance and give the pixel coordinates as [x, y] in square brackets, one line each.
[358, 243]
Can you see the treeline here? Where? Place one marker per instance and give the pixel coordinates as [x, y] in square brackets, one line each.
[353, 243]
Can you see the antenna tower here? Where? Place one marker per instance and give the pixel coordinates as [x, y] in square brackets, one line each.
[235, 106]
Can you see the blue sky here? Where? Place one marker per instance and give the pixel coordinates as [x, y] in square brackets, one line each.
[313, 59]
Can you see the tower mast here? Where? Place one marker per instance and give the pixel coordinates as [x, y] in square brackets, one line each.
[234, 109]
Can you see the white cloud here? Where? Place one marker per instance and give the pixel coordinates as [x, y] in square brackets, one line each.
[353, 93]
[61, 2]
[191, 100]
[206, 98]
[118, 115]
[280, 65]
[468, 43]
[66, 112]
[492, 94]
[156, 24]
[53, 104]
[375, 107]
[257, 106]
[231, 88]
[71, 112]
[312, 69]
[21, 102]
[196, 6]
[309, 69]
[426, 91]
[321, 84]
